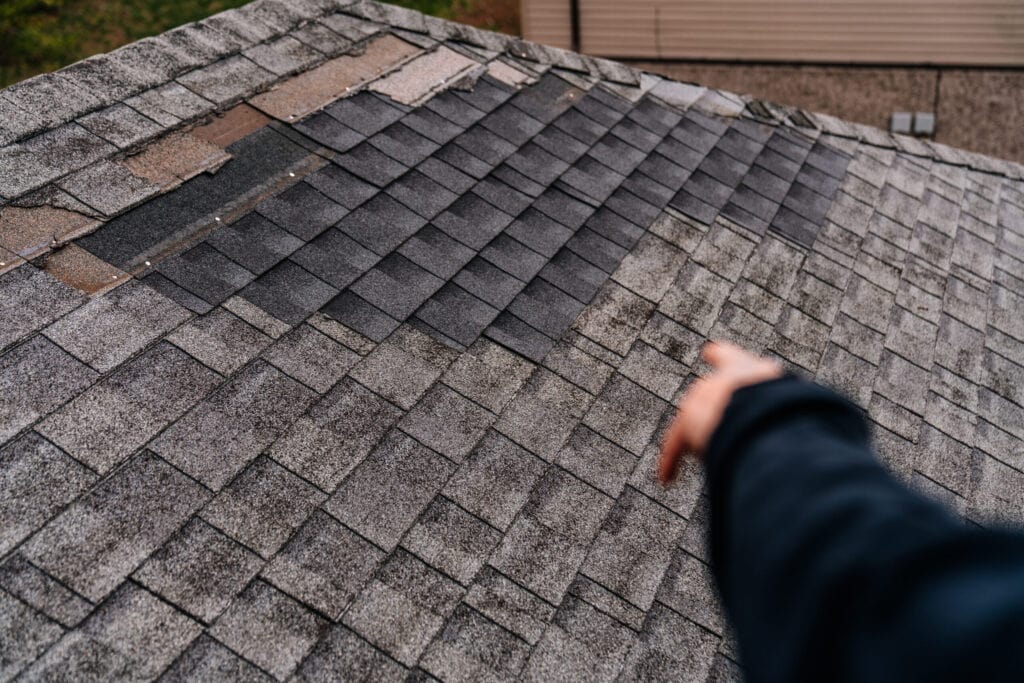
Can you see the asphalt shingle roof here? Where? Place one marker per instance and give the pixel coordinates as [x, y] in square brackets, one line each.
[337, 341]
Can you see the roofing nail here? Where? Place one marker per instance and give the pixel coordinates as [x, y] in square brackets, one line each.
[148, 263]
[217, 218]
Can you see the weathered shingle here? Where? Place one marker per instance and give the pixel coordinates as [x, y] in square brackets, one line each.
[206, 658]
[597, 643]
[263, 506]
[404, 367]
[269, 628]
[467, 649]
[544, 413]
[494, 483]
[199, 569]
[399, 471]
[26, 632]
[324, 565]
[132, 513]
[387, 399]
[157, 633]
[509, 605]
[249, 412]
[325, 444]
[227, 81]
[404, 606]
[41, 591]
[29, 300]
[38, 377]
[115, 417]
[109, 329]
[39, 479]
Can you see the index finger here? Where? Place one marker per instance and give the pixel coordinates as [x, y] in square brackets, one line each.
[719, 353]
[673, 448]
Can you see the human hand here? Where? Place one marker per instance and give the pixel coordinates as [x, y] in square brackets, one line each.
[702, 406]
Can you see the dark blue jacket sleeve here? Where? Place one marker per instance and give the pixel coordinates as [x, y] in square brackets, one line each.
[831, 570]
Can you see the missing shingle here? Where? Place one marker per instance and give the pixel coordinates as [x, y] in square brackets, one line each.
[231, 126]
[312, 90]
[467, 82]
[29, 232]
[506, 73]
[230, 212]
[77, 268]
[176, 158]
[8, 261]
[421, 77]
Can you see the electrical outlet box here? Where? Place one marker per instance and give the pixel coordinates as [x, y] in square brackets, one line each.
[901, 122]
[924, 124]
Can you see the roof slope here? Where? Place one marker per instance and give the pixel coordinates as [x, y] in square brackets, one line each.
[364, 375]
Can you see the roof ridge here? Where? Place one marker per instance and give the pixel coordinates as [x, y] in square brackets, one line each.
[156, 85]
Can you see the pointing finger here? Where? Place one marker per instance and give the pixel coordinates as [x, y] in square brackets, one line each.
[673, 448]
[719, 353]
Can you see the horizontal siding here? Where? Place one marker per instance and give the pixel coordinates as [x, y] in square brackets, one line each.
[840, 31]
[546, 22]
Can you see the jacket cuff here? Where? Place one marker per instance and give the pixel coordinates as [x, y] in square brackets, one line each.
[752, 410]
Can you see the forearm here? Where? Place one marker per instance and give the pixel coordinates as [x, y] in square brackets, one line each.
[818, 551]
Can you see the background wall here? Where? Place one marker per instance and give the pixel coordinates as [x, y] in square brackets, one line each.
[960, 32]
[859, 60]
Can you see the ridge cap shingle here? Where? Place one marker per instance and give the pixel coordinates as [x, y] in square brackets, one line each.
[152, 63]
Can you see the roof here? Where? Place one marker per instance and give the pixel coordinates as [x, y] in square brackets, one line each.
[337, 341]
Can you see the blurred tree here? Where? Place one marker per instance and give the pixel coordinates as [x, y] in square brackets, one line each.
[43, 35]
[20, 38]
[496, 15]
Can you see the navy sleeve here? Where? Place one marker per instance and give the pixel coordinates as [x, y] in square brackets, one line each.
[831, 570]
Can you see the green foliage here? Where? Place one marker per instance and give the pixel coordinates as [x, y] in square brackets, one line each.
[43, 35]
[440, 8]
[12, 9]
[20, 38]
[435, 7]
